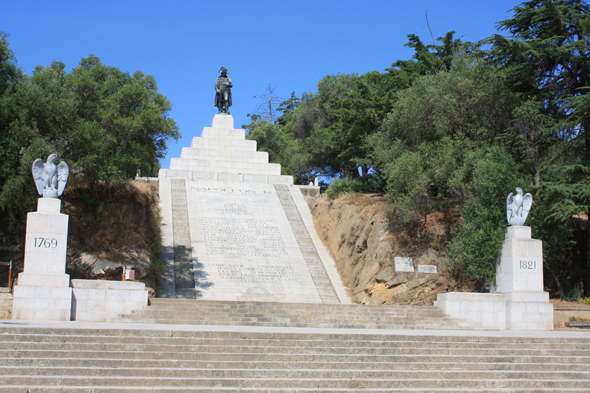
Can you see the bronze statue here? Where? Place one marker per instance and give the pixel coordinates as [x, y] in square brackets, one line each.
[223, 91]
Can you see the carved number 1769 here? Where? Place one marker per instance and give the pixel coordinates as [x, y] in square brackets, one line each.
[45, 242]
[528, 264]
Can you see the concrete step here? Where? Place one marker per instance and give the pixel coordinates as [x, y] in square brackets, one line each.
[200, 312]
[442, 381]
[223, 133]
[223, 154]
[100, 347]
[204, 165]
[158, 359]
[223, 176]
[219, 143]
[227, 364]
[401, 342]
[106, 389]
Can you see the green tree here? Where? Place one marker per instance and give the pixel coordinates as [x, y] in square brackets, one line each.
[424, 147]
[478, 239]
[122, 124]
[280, 145]
[546, 58]
[104, 122]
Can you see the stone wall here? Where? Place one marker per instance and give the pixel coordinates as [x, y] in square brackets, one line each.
[5, 303]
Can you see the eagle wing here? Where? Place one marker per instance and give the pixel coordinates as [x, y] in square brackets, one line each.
[509, 201]
[63, 172]
[527, 202]
[39, 175]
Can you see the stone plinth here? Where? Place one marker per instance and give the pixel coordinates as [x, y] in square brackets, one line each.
[487, 310]
[99, 300]
[521, 263]
[519, 276]
[43, 292]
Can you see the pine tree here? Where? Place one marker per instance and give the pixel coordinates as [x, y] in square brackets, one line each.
[546, 59]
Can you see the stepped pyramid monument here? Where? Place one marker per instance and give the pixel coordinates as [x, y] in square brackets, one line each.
[234, 228]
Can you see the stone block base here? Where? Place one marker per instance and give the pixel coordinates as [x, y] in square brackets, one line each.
[487, 310]
[98, 300]
[502, 311]
[42, 303]
[528, 310]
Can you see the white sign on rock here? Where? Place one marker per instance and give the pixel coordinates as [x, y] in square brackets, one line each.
[427, 269]
[403, 264]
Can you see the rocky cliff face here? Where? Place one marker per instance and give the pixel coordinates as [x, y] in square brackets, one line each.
[111, 227]
[364, 239]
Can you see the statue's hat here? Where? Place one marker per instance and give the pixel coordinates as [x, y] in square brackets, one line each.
[222, 70]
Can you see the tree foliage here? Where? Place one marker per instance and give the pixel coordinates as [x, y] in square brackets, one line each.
[104, 122]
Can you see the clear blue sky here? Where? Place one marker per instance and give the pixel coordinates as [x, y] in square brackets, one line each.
[292, 44]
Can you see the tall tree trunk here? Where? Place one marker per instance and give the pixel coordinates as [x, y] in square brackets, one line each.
[559, 286]
[587, 278]
[586, 130]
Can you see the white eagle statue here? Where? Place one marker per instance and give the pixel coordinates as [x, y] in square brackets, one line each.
[518, 207]
[50, 179]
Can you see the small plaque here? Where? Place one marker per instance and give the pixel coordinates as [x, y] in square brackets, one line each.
[403, 264]
[427, 269]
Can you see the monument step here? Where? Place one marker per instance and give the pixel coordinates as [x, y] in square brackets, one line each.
[278, 373]
[223, 133]
[224, 167]
[390, 361]
[335, 318]
[402, 342]
[228, 177]
[274, 314]
[232, 156]
[427, 326]
[224, 154]
[275, 349]
[244, 144]
[55, 359]
[106, 389]
[247, 365]
[296, 383]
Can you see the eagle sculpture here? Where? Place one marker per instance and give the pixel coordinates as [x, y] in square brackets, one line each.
[518, 207]
[50, 179]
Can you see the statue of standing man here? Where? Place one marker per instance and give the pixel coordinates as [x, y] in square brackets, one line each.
[223, 91]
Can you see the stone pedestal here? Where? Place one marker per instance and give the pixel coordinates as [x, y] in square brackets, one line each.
[519, 302]
[519, 276]
[43, 291]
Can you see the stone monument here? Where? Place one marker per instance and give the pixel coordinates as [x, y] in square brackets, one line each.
[519, 302]
[43, 292]
[234, 228]
[519, 275]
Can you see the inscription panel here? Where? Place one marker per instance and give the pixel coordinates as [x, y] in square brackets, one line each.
[427, 269]
[403, 264]
[243, 246]
[247, 237]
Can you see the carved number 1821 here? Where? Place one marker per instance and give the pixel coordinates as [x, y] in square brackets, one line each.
[45, 242]
[528, 264]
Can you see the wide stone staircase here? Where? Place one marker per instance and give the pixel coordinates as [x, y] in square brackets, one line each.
[212, 312]
[95, 359]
